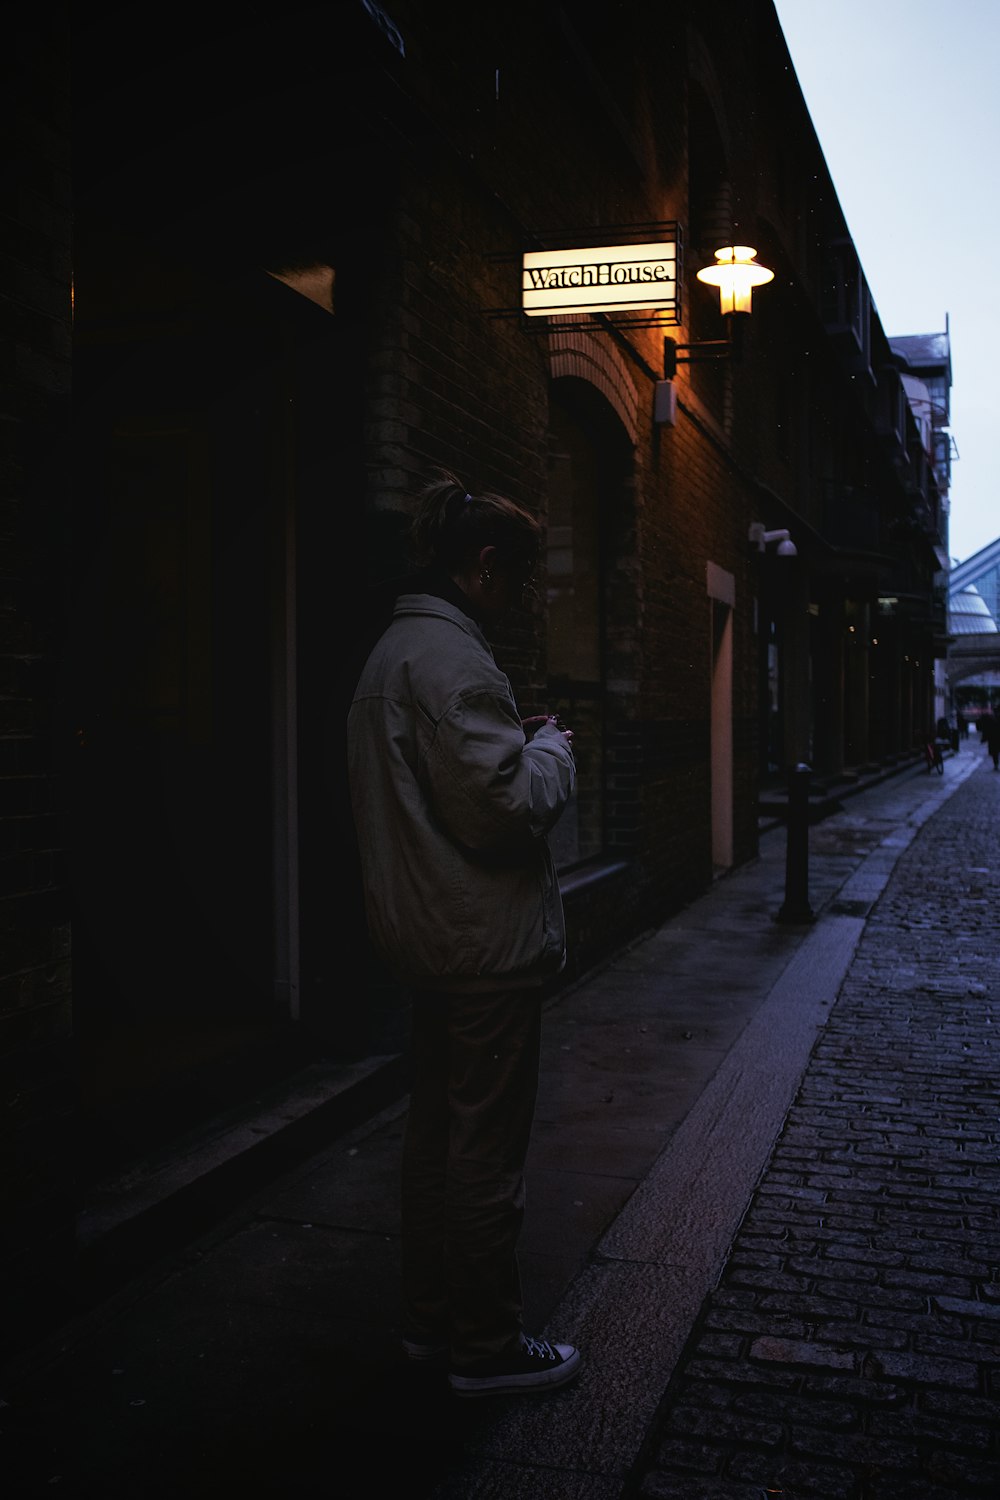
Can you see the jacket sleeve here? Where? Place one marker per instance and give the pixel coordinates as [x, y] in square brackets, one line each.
[490, 788]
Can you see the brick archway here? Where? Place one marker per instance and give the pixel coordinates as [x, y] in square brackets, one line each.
[593, 358]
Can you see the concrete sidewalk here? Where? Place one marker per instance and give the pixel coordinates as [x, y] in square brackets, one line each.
[262, 1357]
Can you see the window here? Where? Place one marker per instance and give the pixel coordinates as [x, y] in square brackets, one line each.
[847, 306]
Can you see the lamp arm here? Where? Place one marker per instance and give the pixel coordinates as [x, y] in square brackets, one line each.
[731, 347]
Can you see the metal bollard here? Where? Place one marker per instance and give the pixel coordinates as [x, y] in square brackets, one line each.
[796, 906]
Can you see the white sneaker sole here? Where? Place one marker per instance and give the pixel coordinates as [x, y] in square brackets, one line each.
[526, 1384]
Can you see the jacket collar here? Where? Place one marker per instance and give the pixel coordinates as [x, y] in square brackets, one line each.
[411, 604]
[438, 583]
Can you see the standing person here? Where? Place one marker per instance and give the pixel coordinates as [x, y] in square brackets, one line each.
[453, 796]
[989, 729]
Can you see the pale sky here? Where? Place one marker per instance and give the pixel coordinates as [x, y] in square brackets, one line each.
[904, 96]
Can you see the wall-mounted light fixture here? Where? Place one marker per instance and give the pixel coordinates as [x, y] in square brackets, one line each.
[760, 539]
[735, 273]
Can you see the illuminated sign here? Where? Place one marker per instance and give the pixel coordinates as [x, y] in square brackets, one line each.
[603, 278]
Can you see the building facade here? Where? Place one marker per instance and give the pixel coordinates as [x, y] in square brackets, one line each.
[292, 297]
[924, 362]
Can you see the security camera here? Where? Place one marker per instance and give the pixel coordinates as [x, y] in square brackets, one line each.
[759, 538]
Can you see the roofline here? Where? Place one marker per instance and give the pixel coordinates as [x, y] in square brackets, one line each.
[973, 567]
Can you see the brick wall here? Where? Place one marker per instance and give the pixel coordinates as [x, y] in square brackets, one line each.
[479, 169]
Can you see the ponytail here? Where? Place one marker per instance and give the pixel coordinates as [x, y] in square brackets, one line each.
[452, 525]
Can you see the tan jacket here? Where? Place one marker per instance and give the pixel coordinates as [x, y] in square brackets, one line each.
[452, 807]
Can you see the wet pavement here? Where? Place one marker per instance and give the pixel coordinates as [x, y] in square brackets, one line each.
[763, 1198]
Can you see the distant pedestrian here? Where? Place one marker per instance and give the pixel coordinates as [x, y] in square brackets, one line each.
[989, 730]
[453, 797]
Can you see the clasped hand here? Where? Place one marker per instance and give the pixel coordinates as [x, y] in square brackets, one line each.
[536, 721]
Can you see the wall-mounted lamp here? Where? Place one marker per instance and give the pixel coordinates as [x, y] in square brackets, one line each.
[735, 273]
[760, 538]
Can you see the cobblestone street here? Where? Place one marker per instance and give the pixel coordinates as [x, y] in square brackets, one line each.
[851, 1350]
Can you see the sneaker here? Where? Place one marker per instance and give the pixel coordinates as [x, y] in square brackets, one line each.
[535, 1366]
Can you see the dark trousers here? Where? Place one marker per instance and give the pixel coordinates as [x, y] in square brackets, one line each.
[474, 1084]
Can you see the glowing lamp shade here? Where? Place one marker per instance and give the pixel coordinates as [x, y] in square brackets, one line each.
[735, 274]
